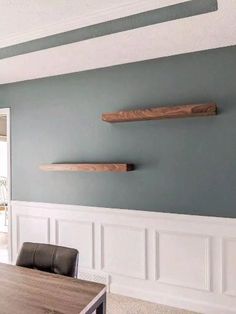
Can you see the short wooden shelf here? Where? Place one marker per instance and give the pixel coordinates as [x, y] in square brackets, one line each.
[184, 111]
[107, 167]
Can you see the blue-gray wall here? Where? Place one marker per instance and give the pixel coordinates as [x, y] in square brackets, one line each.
[183, 165]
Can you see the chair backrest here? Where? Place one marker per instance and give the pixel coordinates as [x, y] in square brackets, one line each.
[49, 258]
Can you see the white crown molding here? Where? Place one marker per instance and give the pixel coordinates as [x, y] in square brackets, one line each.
[98, 16]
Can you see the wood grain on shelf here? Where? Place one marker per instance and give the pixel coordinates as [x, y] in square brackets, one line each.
[107, 167]
[184, 111]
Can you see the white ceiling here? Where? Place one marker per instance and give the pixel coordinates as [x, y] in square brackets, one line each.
[24, 20]
[196, 33]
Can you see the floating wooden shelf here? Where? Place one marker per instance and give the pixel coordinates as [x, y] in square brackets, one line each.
[184, 111]
[88, 167]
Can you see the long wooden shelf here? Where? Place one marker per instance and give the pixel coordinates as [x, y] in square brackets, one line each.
[107, 167]
[184, 111]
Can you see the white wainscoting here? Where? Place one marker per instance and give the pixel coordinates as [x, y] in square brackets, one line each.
[179, 260]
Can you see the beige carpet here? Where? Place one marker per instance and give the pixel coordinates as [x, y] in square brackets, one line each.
[117, 304]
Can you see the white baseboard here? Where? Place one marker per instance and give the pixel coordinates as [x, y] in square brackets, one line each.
[178, 260]
[171, 300]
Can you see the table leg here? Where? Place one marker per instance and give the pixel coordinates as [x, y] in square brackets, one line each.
[101, 309]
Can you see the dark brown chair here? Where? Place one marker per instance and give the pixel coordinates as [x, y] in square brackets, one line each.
[49, 258]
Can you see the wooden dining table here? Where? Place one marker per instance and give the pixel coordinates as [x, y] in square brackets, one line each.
[29, 291]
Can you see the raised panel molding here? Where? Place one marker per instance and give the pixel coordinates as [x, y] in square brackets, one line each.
[124, 250]
[179, 260]
[72, 233]
[186, 262]
[32, 229]
[229, 266]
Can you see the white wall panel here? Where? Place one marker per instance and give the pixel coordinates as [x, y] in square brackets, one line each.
[229, 266]
[32, 229]
[186, 262]
[179, 260]
[124, 250]
[78, 235]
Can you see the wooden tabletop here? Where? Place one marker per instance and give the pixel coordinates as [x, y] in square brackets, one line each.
[27, 291]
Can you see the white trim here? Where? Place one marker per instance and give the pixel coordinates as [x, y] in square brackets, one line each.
[207, 239]
[6, 111]
[172, 300]
[224, 289]
[127, 212]
[98, 16]
[91, 262]
[195, 272]
[30, 217]
[142, 274]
